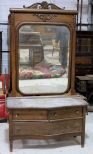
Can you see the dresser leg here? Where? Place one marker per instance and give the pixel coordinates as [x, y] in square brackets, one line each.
[83, 128]
[82, 140]
[11, 146]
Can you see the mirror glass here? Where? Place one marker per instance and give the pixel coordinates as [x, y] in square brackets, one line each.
[43, 58]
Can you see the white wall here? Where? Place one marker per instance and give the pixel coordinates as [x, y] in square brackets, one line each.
[5, 5]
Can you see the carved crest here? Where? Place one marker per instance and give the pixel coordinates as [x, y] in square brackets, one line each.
[44, 5]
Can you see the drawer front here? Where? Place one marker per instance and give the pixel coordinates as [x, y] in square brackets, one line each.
[47, 128]
[65, 113]
[29, 115]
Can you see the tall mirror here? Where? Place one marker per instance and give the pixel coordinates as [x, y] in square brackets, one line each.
[42, 50]
[43, 58]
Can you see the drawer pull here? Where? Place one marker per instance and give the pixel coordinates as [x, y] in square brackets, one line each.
[53, 114]
[77, 111]
[16, 115]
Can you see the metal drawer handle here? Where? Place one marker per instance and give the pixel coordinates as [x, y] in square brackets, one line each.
[77, 111]
[54, 114]
[17, 115]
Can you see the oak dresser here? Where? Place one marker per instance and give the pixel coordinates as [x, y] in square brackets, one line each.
[45, 117]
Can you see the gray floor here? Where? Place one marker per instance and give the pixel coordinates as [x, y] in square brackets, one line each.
[50, 146]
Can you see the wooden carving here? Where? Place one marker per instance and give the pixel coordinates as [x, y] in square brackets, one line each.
[44, 5]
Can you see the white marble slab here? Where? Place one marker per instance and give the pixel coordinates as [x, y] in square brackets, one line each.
[44, 102]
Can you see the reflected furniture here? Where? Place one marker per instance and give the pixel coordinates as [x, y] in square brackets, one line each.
[46, 118]
[84, 54]
[32, 41]
[43, 81]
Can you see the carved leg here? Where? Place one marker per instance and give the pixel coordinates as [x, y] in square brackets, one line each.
[82, 139]
[11, 145]
[83, 128]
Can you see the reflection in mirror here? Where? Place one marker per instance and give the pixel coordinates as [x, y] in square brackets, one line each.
[43, 59]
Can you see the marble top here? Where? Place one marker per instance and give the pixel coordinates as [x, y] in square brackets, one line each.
[43, 102]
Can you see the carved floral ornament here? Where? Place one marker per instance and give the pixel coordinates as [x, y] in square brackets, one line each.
[44, 5]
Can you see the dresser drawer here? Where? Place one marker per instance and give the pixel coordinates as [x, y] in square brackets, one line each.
[65, 113]
[29, 114]
[47, 128]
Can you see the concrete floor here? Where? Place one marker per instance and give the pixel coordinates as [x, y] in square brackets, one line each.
[51, 146]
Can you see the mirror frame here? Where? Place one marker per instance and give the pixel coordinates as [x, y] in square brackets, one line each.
[41, 13]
